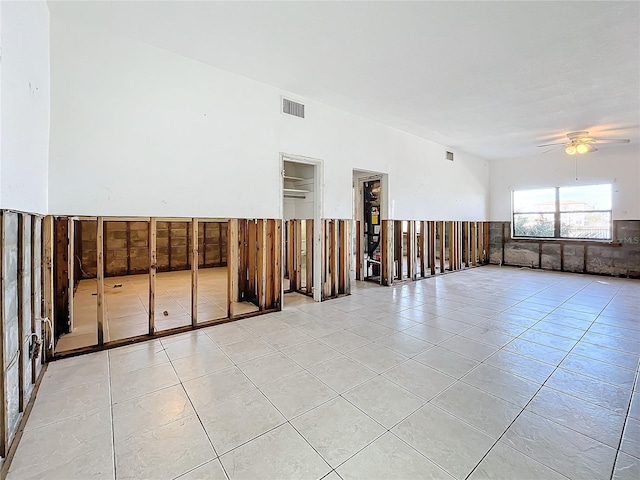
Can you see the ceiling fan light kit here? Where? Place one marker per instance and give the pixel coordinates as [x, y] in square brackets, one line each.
[581, 143]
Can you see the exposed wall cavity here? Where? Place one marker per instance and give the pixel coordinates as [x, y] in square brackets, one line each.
[620, 257]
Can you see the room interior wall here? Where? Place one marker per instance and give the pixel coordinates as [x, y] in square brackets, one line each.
[615, 164]
[141, 131]
[24, 92]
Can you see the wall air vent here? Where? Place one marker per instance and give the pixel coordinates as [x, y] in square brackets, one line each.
[292, 108]
[450, 156]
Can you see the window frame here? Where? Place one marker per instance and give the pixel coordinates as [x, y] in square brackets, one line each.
[557, 215]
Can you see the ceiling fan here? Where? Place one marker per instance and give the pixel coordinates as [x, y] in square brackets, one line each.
[580, 142]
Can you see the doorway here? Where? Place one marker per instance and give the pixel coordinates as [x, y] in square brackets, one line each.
[301, 217]
[370, 208]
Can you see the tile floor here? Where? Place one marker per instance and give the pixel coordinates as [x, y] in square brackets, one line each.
[126, 307]
[487, 373]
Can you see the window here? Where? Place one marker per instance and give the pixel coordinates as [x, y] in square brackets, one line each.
[563, 212]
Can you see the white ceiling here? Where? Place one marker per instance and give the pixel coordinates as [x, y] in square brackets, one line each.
[490, 78]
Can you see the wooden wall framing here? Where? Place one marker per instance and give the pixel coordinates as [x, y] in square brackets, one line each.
[440, 246]
[254, 264]
[21, 302]
[336, 254]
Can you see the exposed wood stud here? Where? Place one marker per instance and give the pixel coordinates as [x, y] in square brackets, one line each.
[194, 272]
[326, 276]
[466, 227]
[232, 266]
[153, 266]
[432, 247]
[269, 257]
[387, 260]
[21, 329]
[474, 244]
[262, 264]
[452, 242]
[48, 244]
[335, 274]
[422, 250]
[481, 242]
[298, 254]
[441, 245]
[71, 268]
[399, 249]
[309, 256]
[359, 253]
[4, 420]
[343, 272]
[128, 245]
[251, 294]
[411, 250]
[485, 241]
[277, 265]
[100, 279]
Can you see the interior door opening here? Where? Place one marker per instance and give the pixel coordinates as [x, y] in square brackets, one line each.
[301, 218]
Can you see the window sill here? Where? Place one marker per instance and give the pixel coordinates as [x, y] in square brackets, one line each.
[576, 241]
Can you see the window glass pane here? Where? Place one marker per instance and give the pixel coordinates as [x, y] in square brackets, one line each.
[527, 201]
[588, 197]
[533, 225]
[591, 225]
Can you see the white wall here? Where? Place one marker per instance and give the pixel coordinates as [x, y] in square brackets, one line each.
[140, 131]
[24, 100]
[615, 164]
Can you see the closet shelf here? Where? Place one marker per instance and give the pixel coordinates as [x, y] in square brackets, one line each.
[295, 190]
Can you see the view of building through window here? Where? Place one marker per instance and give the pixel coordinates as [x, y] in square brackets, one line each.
[582, 212]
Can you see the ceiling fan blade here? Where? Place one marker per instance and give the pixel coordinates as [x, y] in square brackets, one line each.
[558, 145]
[610, 140]
[591, 148]
[551, 144]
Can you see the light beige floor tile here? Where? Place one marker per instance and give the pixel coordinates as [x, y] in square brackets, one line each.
[76, 448]
[502, 384]
[469, 348]
[566, 451]
[209, 471]
[404, 344]
[311, 353]
[631, 438]
[446, 361]
[126, 386]
[297, 393]
[376, 357]
[503, 462]
[286, 338]
[149, 412]
[419, 379]
[450, 443]
[627, 467]
[344, 341]
[591, 390]
[524, 367]
[490, 414]
[239, 419]
[280, 453]
[200, 364]
[128, 361]
[208, 390]
[389, 458]
[269, 368]
[246, 350]
[342, 373]
[56, 405]
[228, 333]
[384, 401]
[165, 452]
[337, 430]
[596, 422]
[189, 346]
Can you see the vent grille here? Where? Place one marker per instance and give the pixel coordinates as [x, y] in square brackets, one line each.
[292, 108]
[450, 156]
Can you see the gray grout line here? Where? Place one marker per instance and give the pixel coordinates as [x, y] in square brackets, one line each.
[626, 422]
[113, 434]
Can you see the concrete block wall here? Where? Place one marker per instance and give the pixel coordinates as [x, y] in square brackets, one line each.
[126, 246]
[620, 257]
